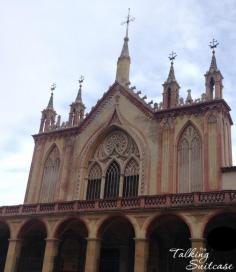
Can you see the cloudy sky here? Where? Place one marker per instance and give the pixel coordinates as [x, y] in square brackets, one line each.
[58, 40]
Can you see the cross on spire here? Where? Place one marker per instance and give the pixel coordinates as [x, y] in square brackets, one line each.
[53, 87]
[213, 45]
[81, 80]
[172, 56]
[79, 95]
[129, 19]
[50, 103]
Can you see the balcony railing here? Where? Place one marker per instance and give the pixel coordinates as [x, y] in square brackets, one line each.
[165, 201]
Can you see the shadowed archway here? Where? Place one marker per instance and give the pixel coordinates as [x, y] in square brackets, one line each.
[71, 255]
[4, 236]
[33, 235]
[166, 233]
[117, 245]
[220, 237]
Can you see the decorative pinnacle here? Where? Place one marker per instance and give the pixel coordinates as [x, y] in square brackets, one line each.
[50, 103]
[172, 57]
[171, 76]
[128, 20]
[213, 45]
[53, 87]
[81, 80]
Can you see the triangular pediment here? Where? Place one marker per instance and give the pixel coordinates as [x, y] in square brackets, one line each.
[112, 97]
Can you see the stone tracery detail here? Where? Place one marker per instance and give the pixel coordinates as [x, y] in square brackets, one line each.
[116, 144]
[118, 148]
[190, 161]
[50, 175]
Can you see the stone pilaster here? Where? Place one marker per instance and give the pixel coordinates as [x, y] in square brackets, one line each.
[198, 244]
[92, 254]
[13, 255]
[51, 250]
[141, 254]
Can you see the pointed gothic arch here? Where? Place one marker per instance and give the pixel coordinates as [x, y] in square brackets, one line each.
[112, 180]
[50, 174]
[189, 157]
[94, 182]
[95, 140]
[131, 179]
[212, 88]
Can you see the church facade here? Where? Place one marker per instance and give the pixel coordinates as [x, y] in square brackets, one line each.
[119, 188]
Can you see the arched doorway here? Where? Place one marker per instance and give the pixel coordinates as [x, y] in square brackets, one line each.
[220, 237]
[165, 234]
[4, 236]
[72, 247]
[33, 235]
[117, 246]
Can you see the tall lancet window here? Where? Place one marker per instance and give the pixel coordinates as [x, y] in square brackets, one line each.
[50, 175]
[131, 180]
[94, 182]
[190, 175]
[212, 88]
[112, 181]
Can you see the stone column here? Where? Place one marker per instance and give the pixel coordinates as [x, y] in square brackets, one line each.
[51, 250]
[13, 255]
[199, 245]
[141, 254]
[102, 187]
[92, 254]
[121, 185]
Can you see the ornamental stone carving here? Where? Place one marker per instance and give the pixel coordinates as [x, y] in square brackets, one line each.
[116, 144]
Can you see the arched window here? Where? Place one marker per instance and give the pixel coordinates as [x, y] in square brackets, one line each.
[112, 181]
[94, 182]
[212, 87]
[168, 97]
[190, 176]
[50, 175]
[131, 180]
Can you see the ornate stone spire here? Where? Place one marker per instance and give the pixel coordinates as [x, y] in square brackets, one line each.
[213, 77]
[171, 86]
[48, 114]
[123, 63]
[171, 76]
[77, 108]
[50, 103]
[213, 45]
[79, 94]
[213, 66]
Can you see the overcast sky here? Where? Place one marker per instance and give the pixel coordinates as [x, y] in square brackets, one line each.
[58, 40]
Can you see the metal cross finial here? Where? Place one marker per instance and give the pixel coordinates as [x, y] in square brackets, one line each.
[53, 87]
[213, 45]
[81, 80]
[172, 56]
[128, 20]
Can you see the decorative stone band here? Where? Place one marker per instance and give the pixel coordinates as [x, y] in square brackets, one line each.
[171, 201]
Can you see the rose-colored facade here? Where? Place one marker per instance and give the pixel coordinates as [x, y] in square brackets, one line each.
[115, 189]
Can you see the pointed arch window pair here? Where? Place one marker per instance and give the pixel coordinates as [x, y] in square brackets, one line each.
[113, 179]
[50, 175]
[190, 174]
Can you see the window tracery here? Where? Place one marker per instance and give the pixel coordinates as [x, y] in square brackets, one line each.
[94, 182]
[190, 161]
[119, 158]
[50, 175]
